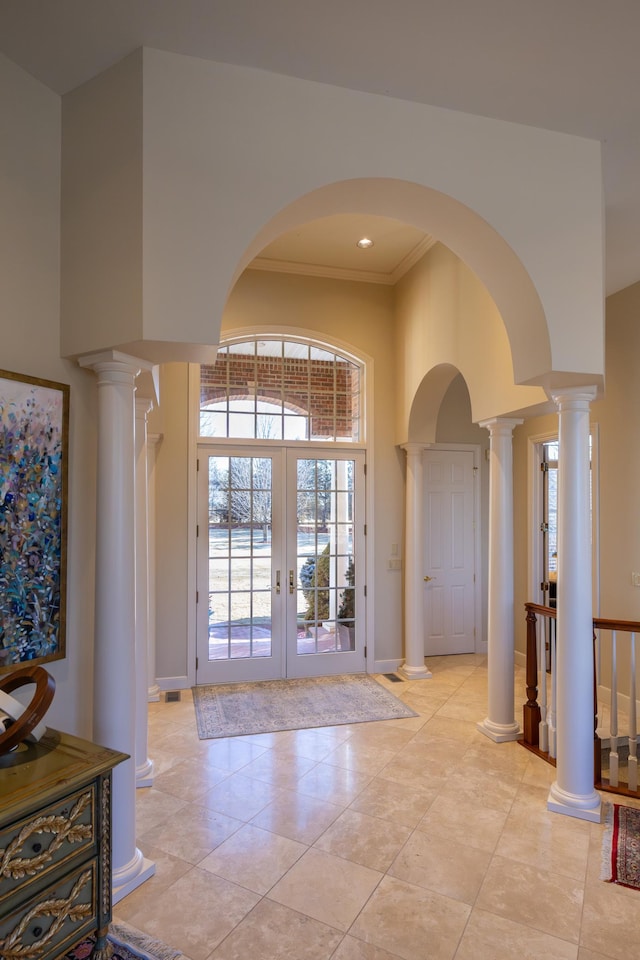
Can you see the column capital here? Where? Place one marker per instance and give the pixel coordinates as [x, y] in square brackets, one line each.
[413, 449]
[114, 364]
[500, 425]
[577, 398]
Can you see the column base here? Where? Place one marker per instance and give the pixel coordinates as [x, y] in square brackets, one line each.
[126, 880]
[587, 807]
[153, 695]
[414, 673]
[499, 732]
[145, 774]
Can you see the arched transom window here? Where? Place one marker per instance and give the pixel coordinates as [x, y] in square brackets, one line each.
[277, 389]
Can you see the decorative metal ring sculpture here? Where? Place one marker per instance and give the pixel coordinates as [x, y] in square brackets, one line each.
[25, 722]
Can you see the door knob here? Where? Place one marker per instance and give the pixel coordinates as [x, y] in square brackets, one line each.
[427, 579]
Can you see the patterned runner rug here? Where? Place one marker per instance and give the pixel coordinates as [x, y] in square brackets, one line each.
[621, 846]
[128, 944]
[239, 709]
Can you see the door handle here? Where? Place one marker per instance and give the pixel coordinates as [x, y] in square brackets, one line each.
[427, 579]
[291, 585]
[277, 581]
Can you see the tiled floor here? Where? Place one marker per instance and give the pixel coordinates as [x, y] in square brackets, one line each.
[410, 839]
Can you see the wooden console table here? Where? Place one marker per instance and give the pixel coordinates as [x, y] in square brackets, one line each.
[55, 847]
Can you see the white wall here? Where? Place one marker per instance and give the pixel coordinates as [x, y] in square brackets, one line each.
[444, 315]
[356, 316]
[30, 325]
[234, 156]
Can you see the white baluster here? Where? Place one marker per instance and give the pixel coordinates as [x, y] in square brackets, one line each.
[554, 673]
[613, 725]
[542, 633]
[633, 726]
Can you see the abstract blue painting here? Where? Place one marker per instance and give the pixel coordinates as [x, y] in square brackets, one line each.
[34, 416]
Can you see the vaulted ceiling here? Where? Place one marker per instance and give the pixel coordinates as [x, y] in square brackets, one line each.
[566, 65]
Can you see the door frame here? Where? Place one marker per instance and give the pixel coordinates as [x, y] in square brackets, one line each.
[481, 644]
[285, 662]
[534, 496]
[188, 679]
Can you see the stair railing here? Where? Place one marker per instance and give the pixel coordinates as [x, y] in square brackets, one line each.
[608, 636]
[539, 711]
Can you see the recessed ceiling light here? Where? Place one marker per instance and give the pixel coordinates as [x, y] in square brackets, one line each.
[364, 243]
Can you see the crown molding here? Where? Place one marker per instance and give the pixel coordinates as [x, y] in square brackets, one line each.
[344, 273]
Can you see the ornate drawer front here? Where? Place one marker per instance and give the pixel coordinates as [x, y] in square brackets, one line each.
[31, 847]
[53, 921]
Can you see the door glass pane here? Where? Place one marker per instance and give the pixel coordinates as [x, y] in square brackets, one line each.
[240, 524]
[326, 573]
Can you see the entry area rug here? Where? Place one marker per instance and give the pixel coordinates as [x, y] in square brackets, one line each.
[621, 846]
[266, 706]
[127, 944]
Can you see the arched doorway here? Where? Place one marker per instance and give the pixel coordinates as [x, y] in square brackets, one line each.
[280, 512]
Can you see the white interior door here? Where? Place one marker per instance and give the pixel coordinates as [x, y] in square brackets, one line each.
[280, 564]
[449, 552]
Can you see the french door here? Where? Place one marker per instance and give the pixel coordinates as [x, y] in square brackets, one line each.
[280, 563]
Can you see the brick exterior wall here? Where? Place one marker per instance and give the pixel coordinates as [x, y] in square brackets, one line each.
[326, 391]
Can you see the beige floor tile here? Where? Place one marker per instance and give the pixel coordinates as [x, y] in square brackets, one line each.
[559, 844]
[196, 912]
[281, 770]
[482, 788]
[436, 728]
[297, 816]
[464, 709]
[343, 789]
[364, 840]
[488, 937]
[240, 796]
[365, 758]
[253, 858]
[403, 918]
[310, 744]
[193, 834]
[435, 752]
[168, 870]
[352, 949]
[326, 888]
[392, 801]
[189, 779]
[611, 920]
[437, 863]
[381, 734]
[229, 753]
[274, 932]
[338, 785]
[407, 772]
[590, 955]
[464, 822]
[154, 807]
[547, 901]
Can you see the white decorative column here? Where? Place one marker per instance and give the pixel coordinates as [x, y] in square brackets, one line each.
[414, 667]
[114, 643]
[144, 766]
[573, 793]
[500, 724]
[153, 439]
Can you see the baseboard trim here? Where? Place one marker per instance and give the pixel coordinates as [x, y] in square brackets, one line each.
[386, 666]
[174, 683]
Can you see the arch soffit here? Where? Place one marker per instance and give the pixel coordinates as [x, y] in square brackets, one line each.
[423, 417]
[467, 234]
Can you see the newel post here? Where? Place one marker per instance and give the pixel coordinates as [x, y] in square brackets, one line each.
[531, 709]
